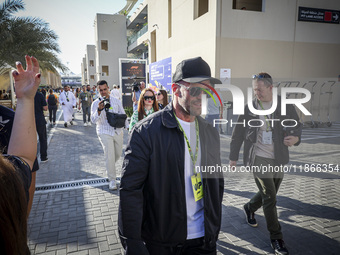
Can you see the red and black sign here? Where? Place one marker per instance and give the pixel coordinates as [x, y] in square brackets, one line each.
[318, 15]
[133, 70]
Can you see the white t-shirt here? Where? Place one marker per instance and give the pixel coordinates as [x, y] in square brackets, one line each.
[265, 150]
[195, 210]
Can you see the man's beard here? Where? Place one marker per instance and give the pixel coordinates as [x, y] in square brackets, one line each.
[190, 108]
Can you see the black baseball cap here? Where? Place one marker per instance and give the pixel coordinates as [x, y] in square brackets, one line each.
[194, 70]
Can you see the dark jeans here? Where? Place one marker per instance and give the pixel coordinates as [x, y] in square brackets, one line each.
[190, 247]
[53, 112]
[268, 184]
[86, 110]
[41, 130]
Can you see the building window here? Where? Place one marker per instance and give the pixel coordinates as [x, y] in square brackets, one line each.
[105, 70]
[249, 5]
[104, 45]
[200, 7]
[91, 77]
[91, 63]
[169, 18]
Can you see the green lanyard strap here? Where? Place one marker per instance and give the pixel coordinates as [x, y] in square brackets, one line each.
[266, 118]
[193, 157]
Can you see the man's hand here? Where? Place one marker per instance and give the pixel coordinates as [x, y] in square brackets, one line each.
[27, 81]
[232, 164]
[290, 140]
[100, 107]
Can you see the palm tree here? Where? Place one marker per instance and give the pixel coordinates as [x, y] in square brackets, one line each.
[26, 35]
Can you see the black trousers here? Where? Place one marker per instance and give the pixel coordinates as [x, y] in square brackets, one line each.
[41, 130]
[53, 112]
[190, 247]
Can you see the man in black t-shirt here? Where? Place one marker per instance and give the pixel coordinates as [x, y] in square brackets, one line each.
[40, 106]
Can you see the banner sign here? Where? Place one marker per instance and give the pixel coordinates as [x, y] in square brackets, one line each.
[133, 69]
[160, 74]
[318, 15]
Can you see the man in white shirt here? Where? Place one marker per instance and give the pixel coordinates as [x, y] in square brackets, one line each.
[115, 92]
[166, 205]
[111, 138]
[68, 102]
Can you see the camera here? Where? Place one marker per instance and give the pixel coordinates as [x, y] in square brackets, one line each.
[135, 86]
[106, 103]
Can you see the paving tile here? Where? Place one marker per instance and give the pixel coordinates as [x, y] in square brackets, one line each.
[84, 220]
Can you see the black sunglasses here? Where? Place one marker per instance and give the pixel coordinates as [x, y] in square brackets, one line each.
[149, 97]
[158, 94]
[193, 91]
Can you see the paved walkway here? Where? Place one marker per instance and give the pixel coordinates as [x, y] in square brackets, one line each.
[75, 213]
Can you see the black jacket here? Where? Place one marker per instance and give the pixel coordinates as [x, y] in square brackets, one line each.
[248, 135]
[152, 191]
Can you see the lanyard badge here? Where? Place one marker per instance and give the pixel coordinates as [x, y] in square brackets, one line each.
[196, 180]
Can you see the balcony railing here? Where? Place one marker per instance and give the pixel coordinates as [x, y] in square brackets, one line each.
[135, 36]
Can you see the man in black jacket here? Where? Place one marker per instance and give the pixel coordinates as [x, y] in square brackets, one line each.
[166, 205]
[266, 143]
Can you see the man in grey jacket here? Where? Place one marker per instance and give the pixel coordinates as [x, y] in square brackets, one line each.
[266, 145]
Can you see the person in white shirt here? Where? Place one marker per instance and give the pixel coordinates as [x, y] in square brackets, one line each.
[115, 92]
[68, 102]
[111, 138]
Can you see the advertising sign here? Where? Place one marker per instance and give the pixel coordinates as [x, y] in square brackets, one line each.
[133, 69]
[160, 74]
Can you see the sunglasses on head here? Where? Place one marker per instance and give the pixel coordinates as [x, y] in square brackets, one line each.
[193, 91]
[261, 76]
[149, 97]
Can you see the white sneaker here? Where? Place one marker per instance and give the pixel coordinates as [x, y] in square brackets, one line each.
[85, 125]
[89, 124]
[112, 185]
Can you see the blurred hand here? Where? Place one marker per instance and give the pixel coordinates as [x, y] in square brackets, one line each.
[27, 81]
[232, 164]
[290, 140]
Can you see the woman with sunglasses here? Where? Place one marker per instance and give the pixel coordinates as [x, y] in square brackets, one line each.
[162, 98]
[146, 105]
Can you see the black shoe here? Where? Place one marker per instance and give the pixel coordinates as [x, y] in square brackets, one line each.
[250, 217]
[279, 247]
[44, 160]
[71, 122]
[65, 124]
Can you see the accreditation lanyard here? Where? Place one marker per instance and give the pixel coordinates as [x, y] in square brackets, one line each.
[196, 180]
[192, 156]
[268, 126]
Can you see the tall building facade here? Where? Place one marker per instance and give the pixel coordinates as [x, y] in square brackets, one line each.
[246, 37]
[111, 44]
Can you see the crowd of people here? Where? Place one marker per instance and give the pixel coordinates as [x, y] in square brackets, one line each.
[166, 206]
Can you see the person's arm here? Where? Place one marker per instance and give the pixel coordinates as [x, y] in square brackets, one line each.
[74, 101]
[134, 120]
[23, 141]
[62, 98]
[135, 172]
[294, 136]
[44, 103]
[134, 97]
[237, 139]
[96, 109]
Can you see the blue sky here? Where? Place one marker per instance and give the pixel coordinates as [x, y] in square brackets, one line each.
[72, 20]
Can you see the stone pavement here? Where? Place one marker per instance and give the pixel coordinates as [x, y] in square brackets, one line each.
[75, 213]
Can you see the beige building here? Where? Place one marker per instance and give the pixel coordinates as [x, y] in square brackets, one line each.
[84, 79]
[266, 36]
[111, 44]
[91, 64]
